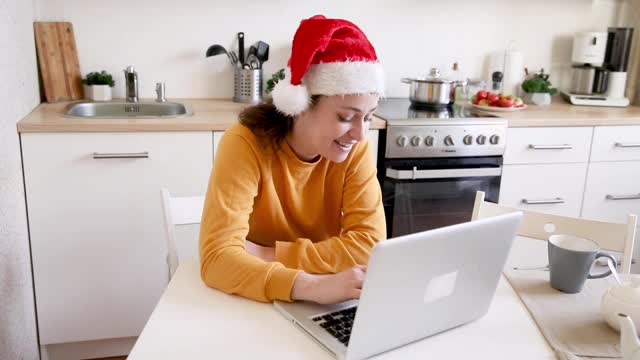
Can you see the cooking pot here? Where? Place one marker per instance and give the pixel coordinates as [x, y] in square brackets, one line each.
[433, 90]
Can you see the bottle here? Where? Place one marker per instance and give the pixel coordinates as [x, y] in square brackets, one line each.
[460, 91]
[496, 81]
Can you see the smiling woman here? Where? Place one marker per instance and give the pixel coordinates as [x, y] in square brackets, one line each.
[294, 206]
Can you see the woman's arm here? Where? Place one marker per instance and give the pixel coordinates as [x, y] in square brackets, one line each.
[224, 262]
[363, 224]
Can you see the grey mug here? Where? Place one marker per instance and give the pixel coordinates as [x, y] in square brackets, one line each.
[570, 260]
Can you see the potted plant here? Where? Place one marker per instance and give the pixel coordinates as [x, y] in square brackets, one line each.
[97, 86]
[271, 83]
[537, 88]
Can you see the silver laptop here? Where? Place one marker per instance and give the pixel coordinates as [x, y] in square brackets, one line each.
[416, 286]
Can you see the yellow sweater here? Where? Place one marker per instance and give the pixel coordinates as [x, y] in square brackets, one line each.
[322, 217]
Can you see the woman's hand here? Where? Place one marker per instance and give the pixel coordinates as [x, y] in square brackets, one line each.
[265, 253]
[329, 289]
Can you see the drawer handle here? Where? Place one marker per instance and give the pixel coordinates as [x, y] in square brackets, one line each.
[138, 155]
[551, 147]
[627, 145]
[623, 197]
[543, 201]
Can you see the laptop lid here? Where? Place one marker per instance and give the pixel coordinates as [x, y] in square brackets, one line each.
[425, 283]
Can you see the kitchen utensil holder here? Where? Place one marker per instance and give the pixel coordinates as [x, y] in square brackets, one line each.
[247, 86]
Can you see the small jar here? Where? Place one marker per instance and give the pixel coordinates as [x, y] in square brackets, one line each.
[475, 85]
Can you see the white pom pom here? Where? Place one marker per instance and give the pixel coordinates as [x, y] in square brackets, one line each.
[289, 99]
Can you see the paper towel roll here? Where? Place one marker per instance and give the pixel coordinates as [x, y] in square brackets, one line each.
[513, 72]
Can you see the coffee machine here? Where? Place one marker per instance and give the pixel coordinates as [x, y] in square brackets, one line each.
[599, 70]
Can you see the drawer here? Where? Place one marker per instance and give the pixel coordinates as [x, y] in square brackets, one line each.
[612, 191]
[616, 143]
[548, 145]
[550, 188]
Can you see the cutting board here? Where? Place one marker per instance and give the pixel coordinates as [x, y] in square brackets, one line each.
[58, 61]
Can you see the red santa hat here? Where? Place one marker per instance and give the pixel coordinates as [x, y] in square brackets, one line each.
[328, 57]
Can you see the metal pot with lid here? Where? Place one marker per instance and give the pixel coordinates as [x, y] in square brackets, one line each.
[432, 90]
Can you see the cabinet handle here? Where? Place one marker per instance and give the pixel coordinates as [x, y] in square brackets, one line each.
[138, 155]
[543, 201]
[627, 145]
[551, 147]
[623, 197]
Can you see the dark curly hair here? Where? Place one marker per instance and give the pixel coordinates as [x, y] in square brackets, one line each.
[269, 124]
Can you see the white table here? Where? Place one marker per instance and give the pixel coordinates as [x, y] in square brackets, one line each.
[192, 321]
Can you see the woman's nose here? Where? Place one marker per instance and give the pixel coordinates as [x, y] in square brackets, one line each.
[359, 129]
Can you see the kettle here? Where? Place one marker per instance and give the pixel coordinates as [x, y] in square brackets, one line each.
[629, 340]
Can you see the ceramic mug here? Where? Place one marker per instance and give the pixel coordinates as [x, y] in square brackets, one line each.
[570, 260]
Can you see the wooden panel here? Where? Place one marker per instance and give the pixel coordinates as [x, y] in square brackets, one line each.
[58, 61]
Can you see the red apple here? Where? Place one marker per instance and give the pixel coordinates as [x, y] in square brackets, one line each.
[481, 94]
[483, 102]
[493, 97]
[494, 103]
[506, 102]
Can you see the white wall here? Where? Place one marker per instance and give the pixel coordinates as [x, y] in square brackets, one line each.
[18, 96]
[166, 40]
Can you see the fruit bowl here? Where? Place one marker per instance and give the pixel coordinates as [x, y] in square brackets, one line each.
[498, 109]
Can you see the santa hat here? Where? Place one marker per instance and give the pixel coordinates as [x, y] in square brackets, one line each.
[328, 57]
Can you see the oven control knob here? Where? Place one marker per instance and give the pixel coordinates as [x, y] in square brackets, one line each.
[481, 139]
[428, 141]
[402, 141]
[448, 141]
[468, 140]
[416, 140]
[494, 139]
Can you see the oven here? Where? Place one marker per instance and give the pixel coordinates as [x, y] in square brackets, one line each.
[430, 168]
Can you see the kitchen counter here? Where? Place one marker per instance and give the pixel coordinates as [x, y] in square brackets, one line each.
[219, 114]
[208, 115]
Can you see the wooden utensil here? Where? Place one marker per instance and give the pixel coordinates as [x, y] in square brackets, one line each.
[58, 61]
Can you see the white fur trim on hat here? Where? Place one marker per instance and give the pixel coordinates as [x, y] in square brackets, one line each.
[289, 99]
[345, 78]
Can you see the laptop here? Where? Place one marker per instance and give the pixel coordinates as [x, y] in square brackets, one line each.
[416, 286]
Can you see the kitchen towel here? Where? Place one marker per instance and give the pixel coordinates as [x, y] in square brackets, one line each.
[571, 323]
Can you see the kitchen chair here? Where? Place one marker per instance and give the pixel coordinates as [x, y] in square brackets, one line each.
[178, 212]
[610, 236]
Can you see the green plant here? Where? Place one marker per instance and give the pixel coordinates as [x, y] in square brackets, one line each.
[99, 78]
[271, 83]
[538, 83]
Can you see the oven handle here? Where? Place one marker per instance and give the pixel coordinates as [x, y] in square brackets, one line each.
[416, 174]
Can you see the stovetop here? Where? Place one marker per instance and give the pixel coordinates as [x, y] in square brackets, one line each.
[400, 111]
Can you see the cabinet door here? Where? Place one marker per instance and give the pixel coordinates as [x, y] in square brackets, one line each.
[548, 145]
[612, 191]
[616, 143]
[97, 231]
[550, 188]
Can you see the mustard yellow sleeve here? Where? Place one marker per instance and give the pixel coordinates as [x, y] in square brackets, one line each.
[224, 262]
[363, 224]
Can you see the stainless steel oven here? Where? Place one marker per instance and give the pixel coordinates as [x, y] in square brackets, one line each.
[433, 161]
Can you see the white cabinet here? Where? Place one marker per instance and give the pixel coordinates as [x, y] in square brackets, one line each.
[612, 191]
[548, 145]
[96, 225]
[373, 138]
[550, 188]
[616, 143]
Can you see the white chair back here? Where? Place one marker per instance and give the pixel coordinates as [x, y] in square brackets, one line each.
[610, 236]
[182, 217]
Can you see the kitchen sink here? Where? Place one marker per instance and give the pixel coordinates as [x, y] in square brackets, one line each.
[106, 110]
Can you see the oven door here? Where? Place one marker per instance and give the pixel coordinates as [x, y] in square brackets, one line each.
[425, 194]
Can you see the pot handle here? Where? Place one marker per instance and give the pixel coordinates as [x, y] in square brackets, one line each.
[406, 80]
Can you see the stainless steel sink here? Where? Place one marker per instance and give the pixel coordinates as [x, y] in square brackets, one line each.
[112, 110]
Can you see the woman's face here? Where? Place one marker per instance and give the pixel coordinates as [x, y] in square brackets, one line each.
[332, 126]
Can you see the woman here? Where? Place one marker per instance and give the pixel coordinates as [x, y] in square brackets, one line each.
[293, 206]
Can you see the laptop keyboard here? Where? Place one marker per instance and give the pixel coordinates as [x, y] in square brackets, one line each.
[338, 323]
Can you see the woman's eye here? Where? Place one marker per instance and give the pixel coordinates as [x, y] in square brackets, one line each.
[343, 119]
[369, 119]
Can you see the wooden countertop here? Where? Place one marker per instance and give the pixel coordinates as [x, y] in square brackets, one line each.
[208, 115]
[219, 114]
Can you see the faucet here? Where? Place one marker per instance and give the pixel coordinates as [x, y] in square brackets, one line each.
[131, 84]
[160, 92]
